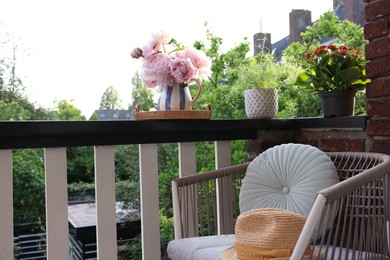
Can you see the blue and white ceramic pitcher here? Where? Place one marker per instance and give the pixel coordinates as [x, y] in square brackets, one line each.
[178, 98]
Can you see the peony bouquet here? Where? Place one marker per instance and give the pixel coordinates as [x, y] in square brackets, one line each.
[162, 67]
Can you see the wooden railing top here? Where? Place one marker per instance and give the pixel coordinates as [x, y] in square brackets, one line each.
[38, 134]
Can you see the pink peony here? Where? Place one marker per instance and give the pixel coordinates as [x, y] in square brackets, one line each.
[182, 70]
[163, 68]
[156, 70]
[148, 51]
[159, 39]
[156, 45]
[200, 61]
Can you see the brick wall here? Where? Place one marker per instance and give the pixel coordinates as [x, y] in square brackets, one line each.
[377, 31]
[327, 139]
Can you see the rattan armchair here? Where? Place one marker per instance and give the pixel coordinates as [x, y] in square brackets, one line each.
[349, 220]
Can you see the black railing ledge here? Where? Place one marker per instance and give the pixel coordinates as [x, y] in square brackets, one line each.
[38, 134]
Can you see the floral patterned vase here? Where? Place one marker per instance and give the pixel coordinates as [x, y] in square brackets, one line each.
[177, 97]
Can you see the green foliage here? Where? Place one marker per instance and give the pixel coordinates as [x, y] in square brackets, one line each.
[329, 26]
[110, 99]
[239, 152]
[360, 103]
[28, 186]
[205, 156]
[12, 111]
[133, 250]
[94, 117]
[293, 101]
[67, 111]
[303, 103]
[81, 187]
[226, 102]
[80, 162]
[127, 162]
[128, 193]
[259, 72]
[295, 51]
[165, 192]
[168, 160]
[11, 86]
[166, 233]
[141, 95]
[221, 61]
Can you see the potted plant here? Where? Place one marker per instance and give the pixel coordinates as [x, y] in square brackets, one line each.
[259, 80]
[336, 72]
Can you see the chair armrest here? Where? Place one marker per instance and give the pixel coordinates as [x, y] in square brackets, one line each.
[353, 216]
[207, 203]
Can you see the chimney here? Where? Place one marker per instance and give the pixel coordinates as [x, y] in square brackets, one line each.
[354, 11]
[299, 20]
[336, 3]
[262, 43]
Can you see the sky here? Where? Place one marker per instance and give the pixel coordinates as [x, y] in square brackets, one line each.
[76, 49]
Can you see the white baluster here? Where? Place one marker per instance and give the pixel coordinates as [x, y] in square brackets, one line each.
[6, 206]
[105, 203]
[187, 166]
[224, 197]
[187, 159]
[150, 223]
[223, 154]
[57, 232]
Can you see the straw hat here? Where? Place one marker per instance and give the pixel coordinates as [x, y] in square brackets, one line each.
[266, 233]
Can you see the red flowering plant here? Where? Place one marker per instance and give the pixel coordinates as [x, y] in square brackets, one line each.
[334, 67]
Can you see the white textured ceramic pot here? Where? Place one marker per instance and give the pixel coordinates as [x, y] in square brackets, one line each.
[261, 103]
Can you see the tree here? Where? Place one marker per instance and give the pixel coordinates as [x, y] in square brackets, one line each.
[11, 86]
[110, 99]
[221, 61]
[29, 186]
[141, 95]
[12, 111]
[67, 111]
[327, 26]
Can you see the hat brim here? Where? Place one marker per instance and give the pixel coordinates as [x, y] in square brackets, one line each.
[231, 253]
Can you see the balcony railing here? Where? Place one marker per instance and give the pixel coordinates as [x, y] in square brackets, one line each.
[56, 136]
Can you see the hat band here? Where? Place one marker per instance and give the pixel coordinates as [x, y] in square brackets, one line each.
[253, 252]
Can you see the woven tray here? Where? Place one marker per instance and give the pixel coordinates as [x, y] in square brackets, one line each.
[168, 114]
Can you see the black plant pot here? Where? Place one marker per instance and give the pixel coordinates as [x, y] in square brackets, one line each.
[338, 103]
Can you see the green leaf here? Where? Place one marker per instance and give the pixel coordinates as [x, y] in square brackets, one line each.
[349, 75]
[302, 78]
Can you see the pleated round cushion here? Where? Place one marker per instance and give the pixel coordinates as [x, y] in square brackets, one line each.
[287, 176]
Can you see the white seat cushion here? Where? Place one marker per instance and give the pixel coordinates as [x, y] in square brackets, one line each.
[287, 176]
[204, 248]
